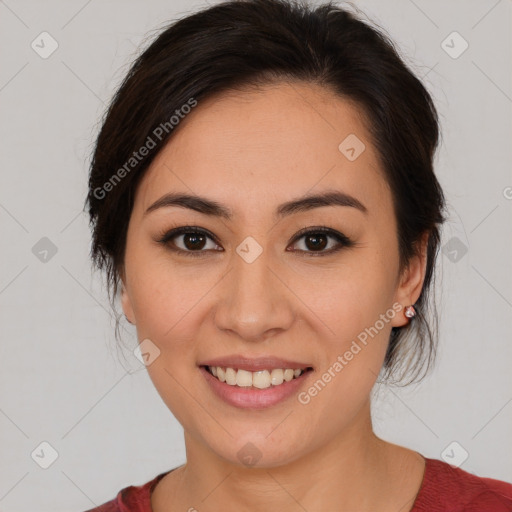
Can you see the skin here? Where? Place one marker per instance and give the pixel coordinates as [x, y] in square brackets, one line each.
[251, 151]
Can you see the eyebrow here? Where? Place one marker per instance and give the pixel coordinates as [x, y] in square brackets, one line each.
[214, 209]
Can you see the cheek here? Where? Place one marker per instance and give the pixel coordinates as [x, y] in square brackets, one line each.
[163, 294]
[166, 305]
[358, 310]
[350, 296]
[353, 357]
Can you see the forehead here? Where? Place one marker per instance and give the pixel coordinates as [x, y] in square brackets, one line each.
[281, 141]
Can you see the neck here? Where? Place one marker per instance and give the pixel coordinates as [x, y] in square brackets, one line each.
[354, 471]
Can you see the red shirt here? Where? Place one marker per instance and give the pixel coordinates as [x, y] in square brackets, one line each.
[444, 489]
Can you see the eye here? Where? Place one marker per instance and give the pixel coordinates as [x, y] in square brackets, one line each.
[193, 240]
[316, 239]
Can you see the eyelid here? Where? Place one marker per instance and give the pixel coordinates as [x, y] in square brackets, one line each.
[343, 241]
[324, 230]
[167, 235]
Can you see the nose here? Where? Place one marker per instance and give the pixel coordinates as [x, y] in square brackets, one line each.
[255, 301]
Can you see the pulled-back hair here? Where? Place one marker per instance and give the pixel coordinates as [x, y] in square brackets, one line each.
[251, 43]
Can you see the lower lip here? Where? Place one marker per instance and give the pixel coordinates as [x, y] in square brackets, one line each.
[254, 398]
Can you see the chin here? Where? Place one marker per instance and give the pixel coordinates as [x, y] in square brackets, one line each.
[258, 449]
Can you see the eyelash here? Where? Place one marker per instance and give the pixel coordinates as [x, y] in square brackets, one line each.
[166, 237]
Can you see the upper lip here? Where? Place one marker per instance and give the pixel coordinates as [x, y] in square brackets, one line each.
[254, 364]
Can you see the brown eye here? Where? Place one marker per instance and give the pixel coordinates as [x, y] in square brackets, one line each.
[317, 240]
[194, 241]
[189, 240]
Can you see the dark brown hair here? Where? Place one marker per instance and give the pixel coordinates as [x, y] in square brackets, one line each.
[247, 43]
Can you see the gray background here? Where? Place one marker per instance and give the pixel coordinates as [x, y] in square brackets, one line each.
[62, 380]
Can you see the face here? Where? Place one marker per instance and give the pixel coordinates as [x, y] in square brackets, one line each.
[250, 284]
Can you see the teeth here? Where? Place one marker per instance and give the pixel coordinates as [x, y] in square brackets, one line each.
[261, 379]
[243, 378]
[231, 376]
[288, 375]
[276, 377]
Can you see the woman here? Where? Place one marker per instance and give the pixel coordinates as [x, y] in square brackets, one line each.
[262, 195]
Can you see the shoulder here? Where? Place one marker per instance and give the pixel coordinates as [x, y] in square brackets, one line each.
[134, 498]
[452, 489]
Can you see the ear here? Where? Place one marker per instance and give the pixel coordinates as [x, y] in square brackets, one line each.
[125, 302]
[411, 282]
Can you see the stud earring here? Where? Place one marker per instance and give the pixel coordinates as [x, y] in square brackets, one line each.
[410, 311]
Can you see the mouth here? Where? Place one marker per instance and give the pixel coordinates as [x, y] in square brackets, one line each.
[247, 383]
[260, 379]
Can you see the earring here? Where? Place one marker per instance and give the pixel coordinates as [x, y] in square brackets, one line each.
[410, 311]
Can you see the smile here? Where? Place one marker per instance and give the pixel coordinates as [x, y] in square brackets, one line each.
[258, 389]
[261, 379]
